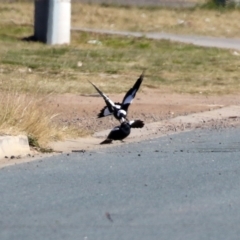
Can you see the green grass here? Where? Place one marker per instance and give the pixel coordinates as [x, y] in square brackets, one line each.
[31, 66]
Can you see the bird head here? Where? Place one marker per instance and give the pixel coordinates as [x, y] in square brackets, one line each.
[121, 115]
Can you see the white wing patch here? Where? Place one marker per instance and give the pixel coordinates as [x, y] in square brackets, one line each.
[129, 98]
[106, 112]
[131, 122]
[117, 106]
[115, 129]
[123, 112]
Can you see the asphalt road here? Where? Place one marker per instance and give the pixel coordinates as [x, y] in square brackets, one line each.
[183, 186]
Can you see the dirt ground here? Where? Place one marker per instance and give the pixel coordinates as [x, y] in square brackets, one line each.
[164, 114]
[149, 105]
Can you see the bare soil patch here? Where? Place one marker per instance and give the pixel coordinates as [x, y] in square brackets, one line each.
[159, 110]
[150, 105]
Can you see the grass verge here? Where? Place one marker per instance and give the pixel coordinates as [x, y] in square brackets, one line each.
[200, 20]
[27, 114]
[29, 71]
[204, 19]
[108, 60]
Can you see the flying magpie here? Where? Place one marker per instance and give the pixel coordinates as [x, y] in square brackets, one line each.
[119, 110]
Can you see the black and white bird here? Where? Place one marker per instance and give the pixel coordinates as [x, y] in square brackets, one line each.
[122, 131]
[119, 110]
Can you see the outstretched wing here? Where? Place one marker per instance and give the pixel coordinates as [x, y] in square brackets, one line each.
[106, 112]
[127, 100]
[136, 123]
[110, 104]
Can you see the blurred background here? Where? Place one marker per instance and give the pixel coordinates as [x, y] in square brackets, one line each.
[169, 3]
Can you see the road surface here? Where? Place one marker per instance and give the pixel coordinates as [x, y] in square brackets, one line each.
[183, 186]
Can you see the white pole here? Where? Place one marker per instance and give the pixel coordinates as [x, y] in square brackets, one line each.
[59, 22]
[56, 15]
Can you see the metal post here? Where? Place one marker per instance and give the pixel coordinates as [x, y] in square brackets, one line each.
[52, 21]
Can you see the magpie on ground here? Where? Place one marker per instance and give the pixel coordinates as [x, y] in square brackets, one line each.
[122, 131]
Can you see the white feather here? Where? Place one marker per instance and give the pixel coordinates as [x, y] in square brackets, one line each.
[131, 122]
[115, 129]
[106, 112]
[121, 112]
[129, 98]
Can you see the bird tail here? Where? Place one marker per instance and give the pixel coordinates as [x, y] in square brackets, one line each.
[136, 124]
[106, 141]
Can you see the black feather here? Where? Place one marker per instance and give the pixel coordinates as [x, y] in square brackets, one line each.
[106, 141]
[137, 124]
[118, 133]
[122, 131]
[101, 114]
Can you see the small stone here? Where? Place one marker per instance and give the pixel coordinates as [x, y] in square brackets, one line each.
[180, 21]
[94, 41]
[79, 64]
[236, 53]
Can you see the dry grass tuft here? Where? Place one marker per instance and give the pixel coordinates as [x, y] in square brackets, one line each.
[17, 13]
[198, 21]
[28, 114]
